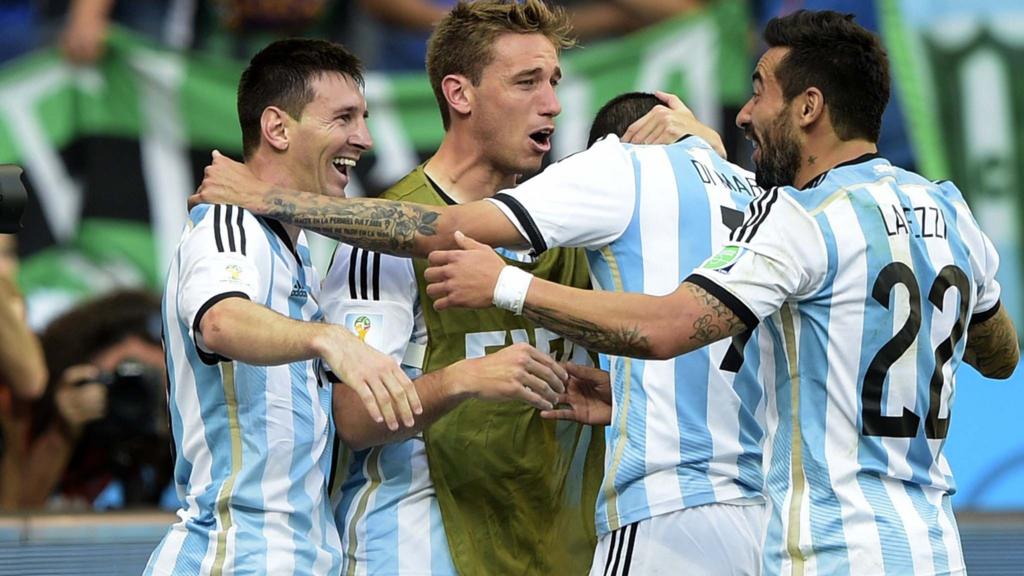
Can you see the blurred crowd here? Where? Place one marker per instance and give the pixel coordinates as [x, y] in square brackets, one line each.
[388, 35]
[83, 418]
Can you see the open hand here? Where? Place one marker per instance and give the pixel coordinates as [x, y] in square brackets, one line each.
[667, 124]
[376, 378]
[226, 181]
[463, 278]
[588, 396]
[518, 372]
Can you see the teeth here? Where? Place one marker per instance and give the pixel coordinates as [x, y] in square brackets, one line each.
[344, 162]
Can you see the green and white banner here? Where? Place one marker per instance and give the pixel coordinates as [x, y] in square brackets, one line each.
[959, 67]
[112, 152]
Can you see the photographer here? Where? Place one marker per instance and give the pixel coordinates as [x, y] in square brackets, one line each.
[100, 432]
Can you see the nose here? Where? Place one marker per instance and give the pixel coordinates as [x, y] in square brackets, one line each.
[743, 117]
[550, 106]
[361, 137]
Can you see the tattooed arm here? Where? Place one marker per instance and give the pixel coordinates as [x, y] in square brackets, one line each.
[992, 346]
[635, 325]
[625, 324]
[398, 228]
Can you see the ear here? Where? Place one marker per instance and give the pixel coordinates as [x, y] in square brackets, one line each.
[810, 107]
[274, 124]
[458, 91]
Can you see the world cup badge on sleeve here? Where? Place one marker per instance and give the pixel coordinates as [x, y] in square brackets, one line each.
[368, 327]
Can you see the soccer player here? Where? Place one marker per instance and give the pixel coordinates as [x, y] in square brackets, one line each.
[679, 458]
[874, 285]
[475, 487]
[250, 412]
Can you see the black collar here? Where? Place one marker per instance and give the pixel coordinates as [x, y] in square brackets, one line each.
[859, 159]
[447, 199]
[277, 228]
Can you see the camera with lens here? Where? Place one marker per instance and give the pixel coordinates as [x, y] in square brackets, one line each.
[133, 404]
[12, 198]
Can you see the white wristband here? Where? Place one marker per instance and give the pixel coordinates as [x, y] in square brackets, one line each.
[510, 292]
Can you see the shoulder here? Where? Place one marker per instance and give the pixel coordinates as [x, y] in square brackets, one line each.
[413, 187]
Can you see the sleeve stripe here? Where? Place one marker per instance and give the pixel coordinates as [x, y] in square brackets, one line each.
[363, 264]
[359, 268]
[352, 273]
[758, 213]
[376, 276]
[731, 302]
[216, 227]
[230, 228]
[535, 237]
[241, 231]
[774, 195]
[979, 317]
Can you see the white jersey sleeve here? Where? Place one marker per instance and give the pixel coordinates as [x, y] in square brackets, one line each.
[585, 200]
[218, 260]
[984, 262]
[375, 296]
[777, 254]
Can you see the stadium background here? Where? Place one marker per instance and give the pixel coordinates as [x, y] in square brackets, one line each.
[112, 151]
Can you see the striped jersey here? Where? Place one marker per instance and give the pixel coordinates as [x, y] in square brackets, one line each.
[253, 444]
[866, 280]
[686, 431]
[384, 502]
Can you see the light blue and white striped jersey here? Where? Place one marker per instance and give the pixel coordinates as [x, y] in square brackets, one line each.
[383, 498]
[866, 280]
[253, 443]
[687, 431]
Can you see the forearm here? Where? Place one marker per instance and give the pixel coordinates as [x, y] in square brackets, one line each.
[248, 332]
[22, 365]
[48, 456]
[438, 391]
[410, 14]
[992, 346]
[397, 228]
[651, 11]
[634, 325]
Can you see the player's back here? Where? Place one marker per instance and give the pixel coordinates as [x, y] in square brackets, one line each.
[866, 358]
[685, 431]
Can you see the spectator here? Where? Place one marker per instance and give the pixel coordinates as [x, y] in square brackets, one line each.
[22, 376]
[100, 433]
[84, 36]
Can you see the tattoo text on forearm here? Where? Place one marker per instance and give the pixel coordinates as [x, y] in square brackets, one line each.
[622, 341]
[377, 225]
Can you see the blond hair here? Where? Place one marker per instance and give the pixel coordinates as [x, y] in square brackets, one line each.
[463, 41]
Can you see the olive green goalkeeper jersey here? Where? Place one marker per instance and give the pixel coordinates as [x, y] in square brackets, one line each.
[516, 492]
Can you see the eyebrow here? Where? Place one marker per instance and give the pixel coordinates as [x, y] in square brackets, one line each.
[530, 72]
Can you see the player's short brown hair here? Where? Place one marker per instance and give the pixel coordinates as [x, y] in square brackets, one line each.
[462, 42]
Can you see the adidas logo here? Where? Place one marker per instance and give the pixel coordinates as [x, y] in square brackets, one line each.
[298, 291]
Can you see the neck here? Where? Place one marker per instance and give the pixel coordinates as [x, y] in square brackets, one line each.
[462, 169]
[820, 158]
[271, 172]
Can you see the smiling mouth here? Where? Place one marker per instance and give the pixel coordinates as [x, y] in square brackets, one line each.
[342, 164]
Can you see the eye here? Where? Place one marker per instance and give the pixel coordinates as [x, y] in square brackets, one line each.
[344, 118]
[526, 82]
[555, 81]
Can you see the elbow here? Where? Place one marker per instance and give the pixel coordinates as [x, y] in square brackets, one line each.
[353, 439]
[214, 329]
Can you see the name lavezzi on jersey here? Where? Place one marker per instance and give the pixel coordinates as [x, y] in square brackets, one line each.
[865, 281]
